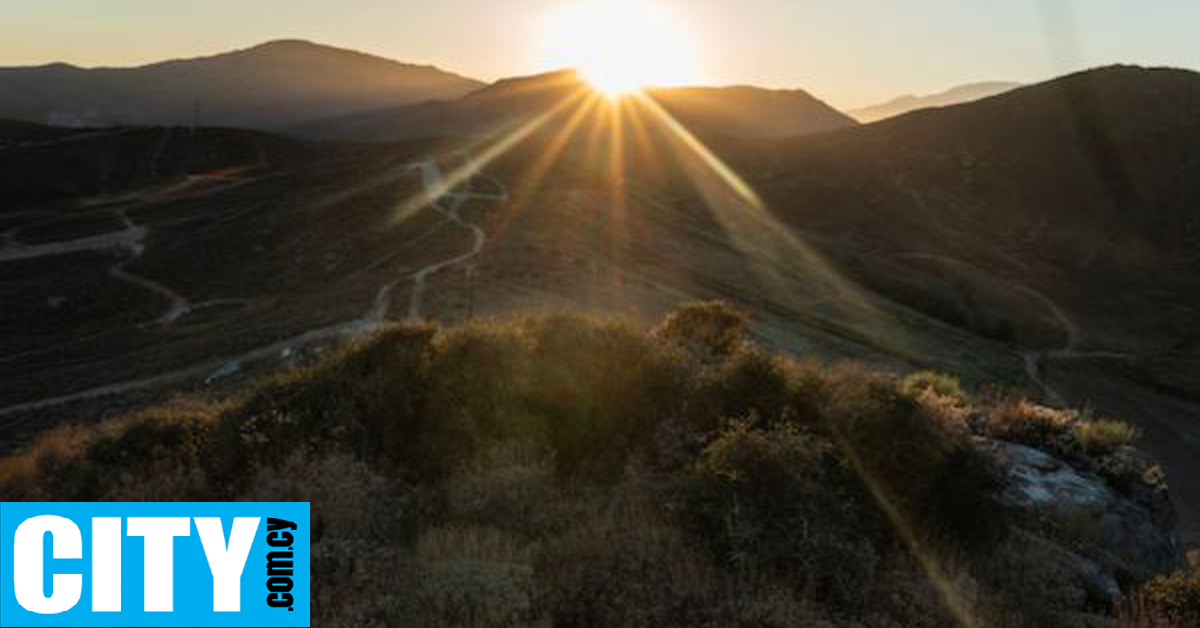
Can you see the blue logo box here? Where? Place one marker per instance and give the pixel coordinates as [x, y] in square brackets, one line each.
[154, 564]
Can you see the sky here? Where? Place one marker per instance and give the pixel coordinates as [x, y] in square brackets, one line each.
[849, 52]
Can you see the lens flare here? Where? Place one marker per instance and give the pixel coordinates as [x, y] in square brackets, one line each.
[620, 46]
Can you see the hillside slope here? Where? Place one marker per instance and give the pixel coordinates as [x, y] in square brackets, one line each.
[1060, 219]
[1079, 187]
[265, 87]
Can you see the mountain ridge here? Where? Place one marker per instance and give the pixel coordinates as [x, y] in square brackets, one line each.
[267, 86]
[959, 94]
[736, 111]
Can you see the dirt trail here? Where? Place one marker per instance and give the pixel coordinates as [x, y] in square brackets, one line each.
[1035, 360]
[132, 238]
[373, 320]
[178, 304]
[124, 239]
[432, 179]
[447, 203]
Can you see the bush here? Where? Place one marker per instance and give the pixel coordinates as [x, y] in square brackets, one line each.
[371, 398]
[713, 330]
[1103, 437]
[751, 382]
[768, 499]
[153, 455]
[1062, 433]
[600, 389]
[1020, 421]
[931, 381]
[1170, 601]
[915, 467]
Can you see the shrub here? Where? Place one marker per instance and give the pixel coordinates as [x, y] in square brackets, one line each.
[751, 382]
[711, 330]
[764, 499]
[1020, 421]
[1104, 437]
[915, 467]
[1170, 601]
[931, 381]
[600, 388]
[370, 398]
[33, 473]
[885, 433]
[152, 455]
[474, 374]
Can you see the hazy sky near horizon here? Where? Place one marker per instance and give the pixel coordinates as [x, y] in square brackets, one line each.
[849, 52]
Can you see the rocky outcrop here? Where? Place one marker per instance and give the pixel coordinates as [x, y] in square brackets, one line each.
[1107, 523]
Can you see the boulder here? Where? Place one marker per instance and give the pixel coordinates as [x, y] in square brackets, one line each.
[1108, 538]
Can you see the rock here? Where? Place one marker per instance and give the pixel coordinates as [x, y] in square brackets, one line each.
[1040, 483]
[1108, 539]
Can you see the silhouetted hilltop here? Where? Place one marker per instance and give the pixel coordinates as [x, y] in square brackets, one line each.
[267, 86]
[743, 112]
[750, 112]
[1099, 158]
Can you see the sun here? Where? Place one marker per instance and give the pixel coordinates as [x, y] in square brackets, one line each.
[620, 46]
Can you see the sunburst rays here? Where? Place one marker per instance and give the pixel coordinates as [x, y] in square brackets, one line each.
[624, 138]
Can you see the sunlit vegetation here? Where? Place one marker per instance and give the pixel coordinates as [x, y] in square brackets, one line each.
[1066, 434]
[1104, 436]
[938, 383]
[574, 471]
[1171, 601]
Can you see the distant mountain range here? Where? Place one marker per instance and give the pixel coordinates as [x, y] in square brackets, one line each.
[954, 96]
[269, 86]
[313, 90]
[743, 112]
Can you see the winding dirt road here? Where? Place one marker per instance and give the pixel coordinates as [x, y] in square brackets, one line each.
[373, 320]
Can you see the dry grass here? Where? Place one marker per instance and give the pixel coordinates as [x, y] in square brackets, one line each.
[1103, 437]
